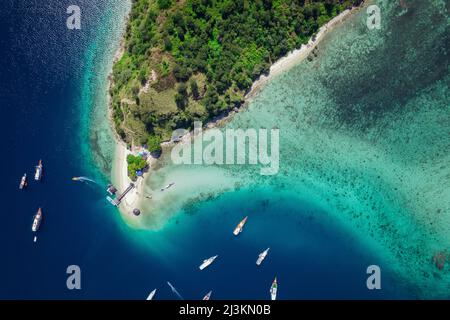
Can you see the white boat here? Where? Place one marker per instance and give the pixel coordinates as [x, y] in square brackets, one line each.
[37, 220]
[207, 262]
[262, 256]
[114, 202]
[151, 295]
[208, 295]
[38, 173]
[239, 227]
[168, 186]
[273, 290]
[23, 181]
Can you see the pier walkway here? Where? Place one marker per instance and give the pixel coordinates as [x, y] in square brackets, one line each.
[119, 198]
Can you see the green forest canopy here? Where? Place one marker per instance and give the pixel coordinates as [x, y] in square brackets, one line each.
[135, 163]
[199, 57]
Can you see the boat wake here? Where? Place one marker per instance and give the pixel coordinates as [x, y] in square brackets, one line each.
[83, 179]
[174, 290]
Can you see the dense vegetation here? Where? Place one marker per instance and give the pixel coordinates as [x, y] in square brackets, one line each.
[192, 60]
[135, 163]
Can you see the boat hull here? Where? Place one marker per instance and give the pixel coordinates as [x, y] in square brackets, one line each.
[38, 174]
[208, 296]
[23, 182]
[273, 290]
[37, 221]
[151, 295]
[207, 262]
[240, 226]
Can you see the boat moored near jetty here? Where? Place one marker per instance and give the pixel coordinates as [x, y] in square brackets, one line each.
[38, 173]
[273, 289]
[207, 262]
[240, 226]
[37, 220]
[151, 295]
[116, 201]
[262, 256]
[23, 181]
[208, 295]
[111, 189]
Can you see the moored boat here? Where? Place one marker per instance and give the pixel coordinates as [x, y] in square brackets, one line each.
[240, 226]
[168, 186]
[111, 189]
[23, 181]
[151, 295]
[207, 262]
[38, 173]
[37, 220]
[208, 295]
[273, 289]
[262, 256]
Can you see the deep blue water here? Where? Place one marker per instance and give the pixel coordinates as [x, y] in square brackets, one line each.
[42, 68]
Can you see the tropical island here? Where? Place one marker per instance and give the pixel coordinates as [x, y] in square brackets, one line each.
[160, 61]
[193, 60]
[383, 181]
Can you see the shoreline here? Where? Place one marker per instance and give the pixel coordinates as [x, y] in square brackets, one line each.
[297, 55]
[119, 175]
[121, 181]
[119, 171]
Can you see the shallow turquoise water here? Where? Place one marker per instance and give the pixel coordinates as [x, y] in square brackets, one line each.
[363, 135]
[352, 190]
[96, 132]
[363, 170]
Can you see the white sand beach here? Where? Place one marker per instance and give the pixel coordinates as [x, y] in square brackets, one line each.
[121, 180]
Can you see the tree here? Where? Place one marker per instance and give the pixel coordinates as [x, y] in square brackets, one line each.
[180, 100]
[164, 4]
[154, 144]
[135, 163]
[167, 43]
[194, 89]
[135, 89]
[230, 42]
[142, 76]
[182, 89]
[181, 73]
[243, 81]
